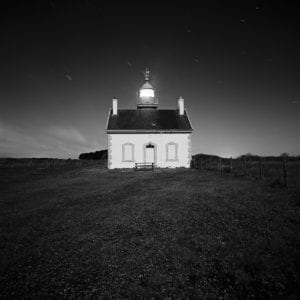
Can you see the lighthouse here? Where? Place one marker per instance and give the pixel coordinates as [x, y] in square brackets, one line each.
[147, 134]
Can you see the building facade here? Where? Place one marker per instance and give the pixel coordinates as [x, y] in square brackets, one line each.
[148, 134]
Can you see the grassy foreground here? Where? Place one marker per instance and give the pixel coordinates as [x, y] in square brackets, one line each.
[87, 231]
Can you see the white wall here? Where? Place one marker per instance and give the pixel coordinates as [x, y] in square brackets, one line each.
[160, 140]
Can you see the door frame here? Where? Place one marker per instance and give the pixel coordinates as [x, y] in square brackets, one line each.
[155, 151]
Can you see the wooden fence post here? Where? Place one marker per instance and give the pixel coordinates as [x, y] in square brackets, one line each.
[260, 168]
[284, 171]
[244, 165]
[220, 166]
[230, 164]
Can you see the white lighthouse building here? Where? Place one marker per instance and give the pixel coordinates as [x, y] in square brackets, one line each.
[148, 134]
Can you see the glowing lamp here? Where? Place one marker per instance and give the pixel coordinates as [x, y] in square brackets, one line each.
[146, 93]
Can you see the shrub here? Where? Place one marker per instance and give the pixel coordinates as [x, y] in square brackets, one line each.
[97, 155]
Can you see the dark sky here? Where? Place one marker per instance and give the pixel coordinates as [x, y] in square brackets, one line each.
[236, 64]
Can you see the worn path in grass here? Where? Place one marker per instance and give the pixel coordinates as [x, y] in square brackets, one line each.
[169, 233]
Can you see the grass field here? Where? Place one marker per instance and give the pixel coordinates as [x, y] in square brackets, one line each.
[271, 167]
[77, 231]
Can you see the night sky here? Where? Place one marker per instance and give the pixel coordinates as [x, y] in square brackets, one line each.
[236, 64]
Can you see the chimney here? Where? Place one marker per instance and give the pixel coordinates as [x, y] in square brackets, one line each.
[115, 106]
[181, 106]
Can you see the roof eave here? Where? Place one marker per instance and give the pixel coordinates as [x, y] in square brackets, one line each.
[149, 130]
[188, 119]
[108, 117]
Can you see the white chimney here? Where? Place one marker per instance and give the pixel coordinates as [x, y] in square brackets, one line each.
[181, 106]
[115, 106]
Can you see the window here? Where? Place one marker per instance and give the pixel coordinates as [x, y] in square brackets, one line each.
[172, 151]
[128, 152]
[147, 93]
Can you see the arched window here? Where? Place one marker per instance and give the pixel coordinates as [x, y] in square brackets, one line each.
[128, 152]
[172, 151]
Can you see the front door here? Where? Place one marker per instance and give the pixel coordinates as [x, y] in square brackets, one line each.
[150, 157]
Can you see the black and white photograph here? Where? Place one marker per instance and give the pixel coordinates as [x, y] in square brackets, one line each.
[149, 150]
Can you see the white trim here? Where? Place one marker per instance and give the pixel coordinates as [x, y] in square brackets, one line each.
[189, 120]
[132, 152]
[107, 120]
[112, 131]
[167, 151]
[109, 150]
[155, 152]
[190, 148]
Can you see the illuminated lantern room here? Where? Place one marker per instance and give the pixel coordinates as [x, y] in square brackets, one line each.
[146, 97]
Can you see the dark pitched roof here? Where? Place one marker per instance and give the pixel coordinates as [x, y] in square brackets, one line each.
[148, 120]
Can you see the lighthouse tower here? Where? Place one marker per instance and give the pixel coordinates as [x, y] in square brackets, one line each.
[146, 97]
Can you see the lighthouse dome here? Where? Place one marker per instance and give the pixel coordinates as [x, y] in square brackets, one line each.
[147, 85]
[147, 94]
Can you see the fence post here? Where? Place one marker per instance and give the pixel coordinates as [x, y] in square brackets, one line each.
[284, 171]
[220, 166]
[230, 164]
[244, 165]
[260, 168]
